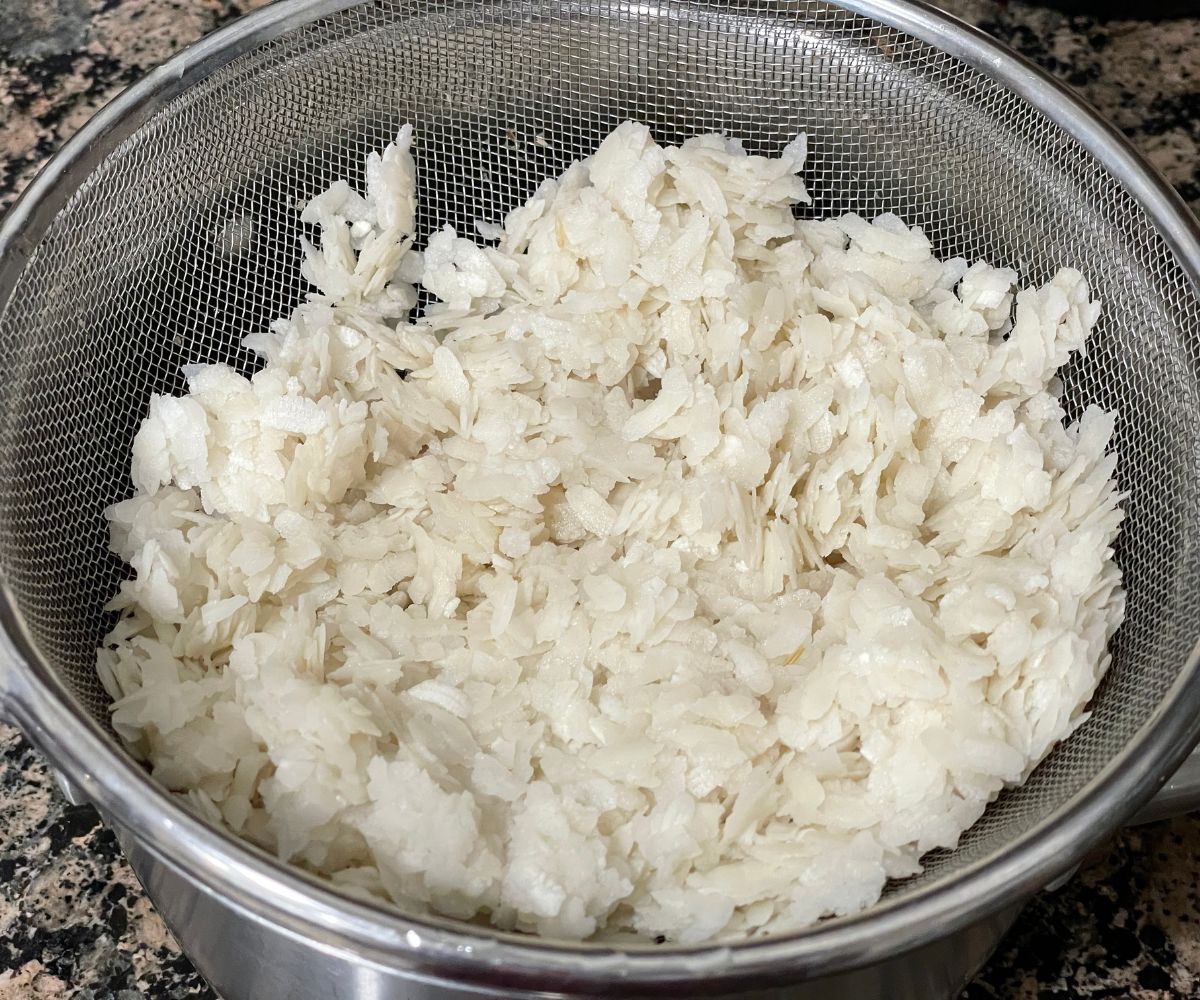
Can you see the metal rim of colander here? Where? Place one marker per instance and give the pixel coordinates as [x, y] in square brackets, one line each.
[434, 949]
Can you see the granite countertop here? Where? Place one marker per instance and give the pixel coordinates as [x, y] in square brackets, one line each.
[73, 920]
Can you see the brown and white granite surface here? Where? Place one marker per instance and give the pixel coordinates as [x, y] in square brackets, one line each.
[73, 920]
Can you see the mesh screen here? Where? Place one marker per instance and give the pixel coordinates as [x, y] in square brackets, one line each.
[184, 239]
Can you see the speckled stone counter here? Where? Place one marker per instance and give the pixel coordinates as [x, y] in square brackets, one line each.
[73, 921]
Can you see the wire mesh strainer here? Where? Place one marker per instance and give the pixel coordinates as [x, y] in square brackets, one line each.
[173, 232]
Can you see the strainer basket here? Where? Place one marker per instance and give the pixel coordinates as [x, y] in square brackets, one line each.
[168, 230]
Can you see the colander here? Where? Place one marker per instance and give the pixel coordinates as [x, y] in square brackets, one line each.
[167, 230]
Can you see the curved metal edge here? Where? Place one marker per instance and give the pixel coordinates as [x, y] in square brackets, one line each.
[267, 890]
[1179, 795]
[1058, 102]
[30, 215]
[303, 907]
[1177, 223]
[9, 679]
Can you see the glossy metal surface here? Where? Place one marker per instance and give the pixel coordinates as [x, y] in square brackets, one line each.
[233, 907]
[247, 959]
[1179, 795]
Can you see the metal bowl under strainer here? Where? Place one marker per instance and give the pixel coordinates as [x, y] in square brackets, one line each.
[167, 230]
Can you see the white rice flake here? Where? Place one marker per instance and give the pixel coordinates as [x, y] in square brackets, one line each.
[594, 512]
[686, 570]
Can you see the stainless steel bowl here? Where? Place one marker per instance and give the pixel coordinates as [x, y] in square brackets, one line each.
[116, 268]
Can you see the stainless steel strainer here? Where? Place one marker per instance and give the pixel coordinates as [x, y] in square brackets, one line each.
[168, 230]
